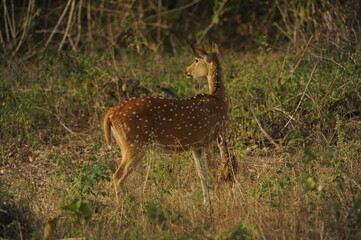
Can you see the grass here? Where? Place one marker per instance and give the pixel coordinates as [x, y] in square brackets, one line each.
[295, 129]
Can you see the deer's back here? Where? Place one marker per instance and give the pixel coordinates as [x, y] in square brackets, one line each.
[176, 124]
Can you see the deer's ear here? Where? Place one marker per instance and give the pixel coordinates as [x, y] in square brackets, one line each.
[217, 50]
[199, 53]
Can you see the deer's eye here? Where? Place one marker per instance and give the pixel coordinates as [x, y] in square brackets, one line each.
[196, 60]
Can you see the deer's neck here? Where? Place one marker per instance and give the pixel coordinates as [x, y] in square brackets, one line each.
[215, 82]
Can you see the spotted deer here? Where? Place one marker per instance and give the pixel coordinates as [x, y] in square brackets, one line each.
[174, 124]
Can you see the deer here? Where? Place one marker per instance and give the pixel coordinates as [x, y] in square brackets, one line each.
[174, 125]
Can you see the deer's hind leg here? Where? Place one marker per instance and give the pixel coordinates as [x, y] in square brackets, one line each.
[229, 165]
[131, 156]
[129, 161]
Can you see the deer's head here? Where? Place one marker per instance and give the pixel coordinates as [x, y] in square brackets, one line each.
[200, 66]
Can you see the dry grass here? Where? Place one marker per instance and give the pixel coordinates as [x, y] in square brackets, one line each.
[267, 199]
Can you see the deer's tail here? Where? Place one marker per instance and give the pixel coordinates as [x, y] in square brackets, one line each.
[106, 127]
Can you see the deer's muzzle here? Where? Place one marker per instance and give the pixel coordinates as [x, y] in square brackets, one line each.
[187, 74]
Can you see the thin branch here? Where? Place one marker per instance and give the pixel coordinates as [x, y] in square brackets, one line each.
[11, 24]
[2, 41]
[282, 111]
[58, 23]
[13, 16]
[288, 100]
[351, 179]
[282, 70]
[62, 124]
[172, 10]
[88, 17]
[282, 31]
[79, 23]
[67, 25]
[307, 85]
[263, 131]
[161, 26]
[71, 41]
[303, 54]
[302, 96]
[6, 22]
[329, 59]
[26, 26]
[343, 50]
[211, 25]
[57, 117]
[159, 21]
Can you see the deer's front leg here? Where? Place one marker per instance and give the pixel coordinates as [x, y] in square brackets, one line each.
[228, 166]
[197, 154]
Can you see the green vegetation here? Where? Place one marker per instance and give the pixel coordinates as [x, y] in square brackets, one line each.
[295, 119]
[295, 129]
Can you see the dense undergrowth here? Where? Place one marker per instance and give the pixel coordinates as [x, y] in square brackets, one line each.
[295, 129]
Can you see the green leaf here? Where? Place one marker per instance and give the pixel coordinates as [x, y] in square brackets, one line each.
[79, 207]
[215, 19]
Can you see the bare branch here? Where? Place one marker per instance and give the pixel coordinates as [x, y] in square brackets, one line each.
[211, 25]
[58, 23]
[68, 25]
[79, 23]
[26, 25]
[302, 96]
[171, 11]
[263, 131]
[302, 55]
[57, 117]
